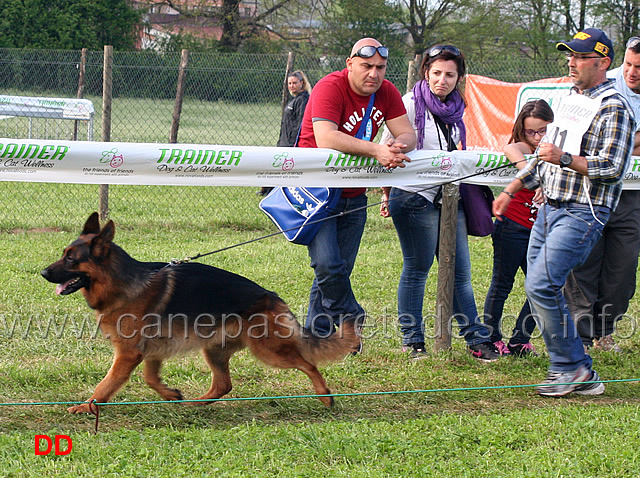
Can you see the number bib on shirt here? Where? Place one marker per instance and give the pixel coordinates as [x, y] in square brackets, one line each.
[573, 115]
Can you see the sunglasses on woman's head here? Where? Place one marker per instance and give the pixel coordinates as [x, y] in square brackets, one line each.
[368, 51]
[436, 50]
[632, 42]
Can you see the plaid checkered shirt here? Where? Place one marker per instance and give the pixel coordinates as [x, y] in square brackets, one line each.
[607, 145]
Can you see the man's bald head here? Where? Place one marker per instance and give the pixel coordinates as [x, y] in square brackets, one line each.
[364, 42]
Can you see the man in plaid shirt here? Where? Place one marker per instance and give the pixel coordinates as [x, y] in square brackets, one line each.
[581, 175]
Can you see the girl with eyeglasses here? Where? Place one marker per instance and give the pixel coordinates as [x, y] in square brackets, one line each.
[435, 107]
[511, 235]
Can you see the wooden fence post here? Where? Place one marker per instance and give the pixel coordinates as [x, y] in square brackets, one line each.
[446, 243]
[291, 58]
[177, 108]
[82, 68]
[446, 266]
[107, 98]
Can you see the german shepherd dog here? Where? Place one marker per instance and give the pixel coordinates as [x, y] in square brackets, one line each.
[153, 310]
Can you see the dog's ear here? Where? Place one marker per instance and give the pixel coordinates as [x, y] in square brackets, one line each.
[108, 231]
[92, 226]
[100, 243]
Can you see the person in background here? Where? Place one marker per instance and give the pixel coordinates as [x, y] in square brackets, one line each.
[435, 107]
[599, 291]
[511, 235]
[300, 88]
[335, 112]
[582, 182]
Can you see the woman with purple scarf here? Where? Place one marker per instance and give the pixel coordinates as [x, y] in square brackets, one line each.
[435, 107]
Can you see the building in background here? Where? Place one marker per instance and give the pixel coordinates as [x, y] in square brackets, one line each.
[199, 19]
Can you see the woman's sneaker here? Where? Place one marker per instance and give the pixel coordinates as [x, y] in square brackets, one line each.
[416, 351]
[485, 352]
[502, 348]
[521, 350]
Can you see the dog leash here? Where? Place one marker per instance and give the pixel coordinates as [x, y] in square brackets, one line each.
[95, 410]
[174, 262]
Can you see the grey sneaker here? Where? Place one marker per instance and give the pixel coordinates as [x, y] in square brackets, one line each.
[416, 351]
[591, 388]
[559, 384]
[606, 344]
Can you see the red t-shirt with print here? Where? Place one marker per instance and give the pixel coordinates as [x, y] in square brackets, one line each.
[521, 208]
[332, 99]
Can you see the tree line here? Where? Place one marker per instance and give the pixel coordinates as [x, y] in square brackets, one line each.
[482, 28]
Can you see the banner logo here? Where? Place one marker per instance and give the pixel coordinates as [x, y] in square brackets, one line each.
[115, 160]
[283, 161]
[442, 161]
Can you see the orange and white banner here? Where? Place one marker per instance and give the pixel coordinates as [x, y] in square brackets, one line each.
[492, 107]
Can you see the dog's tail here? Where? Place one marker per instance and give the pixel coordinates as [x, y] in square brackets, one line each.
[288, 333]
[319, 350]
[322, 349]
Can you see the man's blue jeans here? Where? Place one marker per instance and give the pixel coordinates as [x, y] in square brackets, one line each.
[598, 292]
[510, 243]
[333, 254]
[561, 239]
[417, 223]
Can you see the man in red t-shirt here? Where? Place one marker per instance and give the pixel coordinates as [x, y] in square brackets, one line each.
[334, 114]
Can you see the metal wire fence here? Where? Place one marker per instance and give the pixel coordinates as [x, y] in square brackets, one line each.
[233, 99]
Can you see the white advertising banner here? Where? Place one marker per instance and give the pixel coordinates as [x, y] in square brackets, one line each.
[59, 108]
[88, 162]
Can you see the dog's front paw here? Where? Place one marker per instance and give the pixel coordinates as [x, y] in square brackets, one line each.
[171, 394]
[84, 408]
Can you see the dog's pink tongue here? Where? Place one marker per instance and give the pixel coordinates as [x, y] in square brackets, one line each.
[61, 287]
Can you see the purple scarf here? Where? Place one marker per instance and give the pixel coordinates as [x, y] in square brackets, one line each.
[450, 112]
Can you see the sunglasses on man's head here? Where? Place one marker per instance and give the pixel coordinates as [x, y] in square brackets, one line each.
[368, 51]
[633, 42]
[438, 49]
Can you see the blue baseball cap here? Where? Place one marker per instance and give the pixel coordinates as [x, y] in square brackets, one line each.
[589, 40]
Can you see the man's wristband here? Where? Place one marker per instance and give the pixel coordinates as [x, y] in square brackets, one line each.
[511, 195]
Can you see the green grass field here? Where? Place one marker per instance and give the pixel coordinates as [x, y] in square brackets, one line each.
[51, 354]
[147, 120]
[52, 351]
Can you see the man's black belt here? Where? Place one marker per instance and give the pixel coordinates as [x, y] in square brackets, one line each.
[561, 204]
[566, 204]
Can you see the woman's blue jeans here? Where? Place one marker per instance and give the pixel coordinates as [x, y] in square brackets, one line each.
[510, 243]
[333, 254]
[417, 223]
[561, 239]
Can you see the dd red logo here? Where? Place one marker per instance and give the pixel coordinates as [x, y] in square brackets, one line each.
[53, 444]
